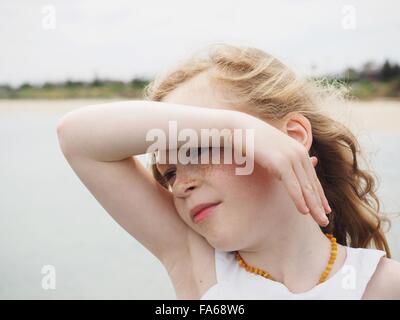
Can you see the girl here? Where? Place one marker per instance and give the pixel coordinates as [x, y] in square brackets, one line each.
[265, 235]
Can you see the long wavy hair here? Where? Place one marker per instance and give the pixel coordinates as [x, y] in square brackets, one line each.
[261, 85]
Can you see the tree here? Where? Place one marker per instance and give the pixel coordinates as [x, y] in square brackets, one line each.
[386, 71]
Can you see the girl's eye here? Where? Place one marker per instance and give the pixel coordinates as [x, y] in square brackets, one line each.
[169, 174]
[191, 151]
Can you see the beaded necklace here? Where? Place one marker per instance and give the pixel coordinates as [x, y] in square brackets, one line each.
[265, 274]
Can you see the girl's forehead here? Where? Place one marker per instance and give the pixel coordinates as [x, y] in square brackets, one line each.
[199, 91]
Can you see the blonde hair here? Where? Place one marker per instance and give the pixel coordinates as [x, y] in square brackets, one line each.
[261, 85]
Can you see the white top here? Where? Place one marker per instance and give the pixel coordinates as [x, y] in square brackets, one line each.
[349, 282]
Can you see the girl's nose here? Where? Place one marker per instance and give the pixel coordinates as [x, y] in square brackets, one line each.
[185, 183]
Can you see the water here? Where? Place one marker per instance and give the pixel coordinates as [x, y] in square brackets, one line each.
[47, 217]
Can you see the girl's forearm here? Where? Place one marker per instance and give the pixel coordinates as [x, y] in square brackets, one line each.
[117, 130]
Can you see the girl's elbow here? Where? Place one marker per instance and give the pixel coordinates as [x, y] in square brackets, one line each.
[63, 129]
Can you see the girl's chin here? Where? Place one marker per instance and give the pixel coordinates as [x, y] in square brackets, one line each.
[222, 242]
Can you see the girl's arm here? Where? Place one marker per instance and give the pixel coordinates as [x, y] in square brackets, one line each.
[99, 141]
[115, 131]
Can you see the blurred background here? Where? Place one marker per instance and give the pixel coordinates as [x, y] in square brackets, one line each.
[60, 55]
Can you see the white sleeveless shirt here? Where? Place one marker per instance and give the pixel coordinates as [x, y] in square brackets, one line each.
[349, 282]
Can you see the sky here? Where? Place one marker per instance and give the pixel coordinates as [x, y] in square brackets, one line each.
[119, 39]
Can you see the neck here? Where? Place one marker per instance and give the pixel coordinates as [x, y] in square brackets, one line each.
[295, 254]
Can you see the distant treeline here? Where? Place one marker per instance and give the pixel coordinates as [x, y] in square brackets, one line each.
[370, 81]
[98, 88]
[385, 72]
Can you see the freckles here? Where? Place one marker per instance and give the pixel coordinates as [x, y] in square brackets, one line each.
[222, 172]
[225, 174]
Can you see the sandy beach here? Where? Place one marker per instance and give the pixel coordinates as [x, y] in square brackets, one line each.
[379, 115]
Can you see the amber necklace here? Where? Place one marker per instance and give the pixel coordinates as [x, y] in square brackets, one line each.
[265, 274]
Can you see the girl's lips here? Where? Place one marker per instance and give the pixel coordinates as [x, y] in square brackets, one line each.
[201, 215]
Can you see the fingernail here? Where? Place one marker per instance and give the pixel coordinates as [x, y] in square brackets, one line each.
[326, 222]
[328, 210]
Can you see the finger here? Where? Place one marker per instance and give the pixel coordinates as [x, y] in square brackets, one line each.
[322, 198]
[327, 208]
[314, 161]
[293, 187]
[310, 194]
[309, 169]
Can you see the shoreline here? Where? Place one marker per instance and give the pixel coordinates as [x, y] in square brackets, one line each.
[378, 115]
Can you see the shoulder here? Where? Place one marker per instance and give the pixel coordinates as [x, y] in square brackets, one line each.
[385, 282]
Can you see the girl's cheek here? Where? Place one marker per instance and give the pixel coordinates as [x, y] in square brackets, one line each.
[259, 181]
[223, 177]
[181, 213]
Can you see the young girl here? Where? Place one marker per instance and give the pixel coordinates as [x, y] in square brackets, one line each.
[221, 235]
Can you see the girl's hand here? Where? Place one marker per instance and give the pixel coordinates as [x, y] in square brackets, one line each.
[289, 161]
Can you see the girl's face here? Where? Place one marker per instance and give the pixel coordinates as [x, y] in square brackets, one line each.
[248, 203]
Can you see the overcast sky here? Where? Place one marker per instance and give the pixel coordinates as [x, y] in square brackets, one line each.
[118, 39]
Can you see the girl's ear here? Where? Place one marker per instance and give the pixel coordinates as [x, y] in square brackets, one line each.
[298, 127]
